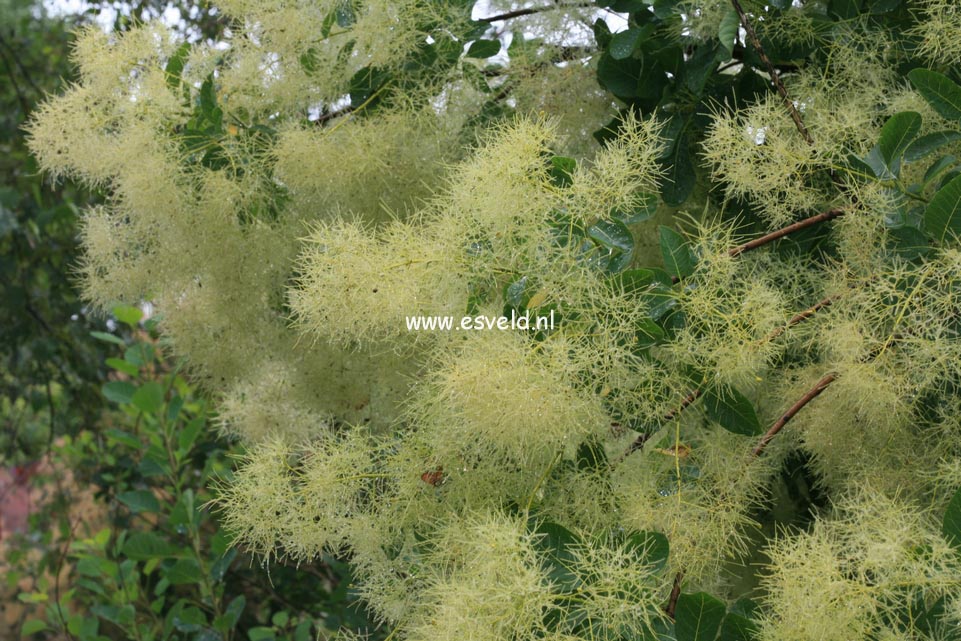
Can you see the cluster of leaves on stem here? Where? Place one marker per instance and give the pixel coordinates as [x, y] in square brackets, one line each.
[147, 559]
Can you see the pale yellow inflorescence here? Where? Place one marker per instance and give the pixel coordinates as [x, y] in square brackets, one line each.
[285, 251]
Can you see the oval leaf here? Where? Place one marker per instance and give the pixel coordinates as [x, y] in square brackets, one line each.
[652, 546]
[679, 259]
[697, 617]
[141, 546]
[732, 411]
[139, 501]
[624, 43]
[484, 48]
[942, 218]
[898, 132]
[679, 173]
[118, 391]
[149, 398]
[926, 144]
[727, 32]
[942, 93]
[128, 315]
[557, 543]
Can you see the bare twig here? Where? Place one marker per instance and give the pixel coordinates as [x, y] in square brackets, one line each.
[775, 78]
[784, 231]
[675, 594]
[809, 396]
[670, 416]
[777, 234]
[517, 13]
[330, 115]
[639, 442]
[803, 316]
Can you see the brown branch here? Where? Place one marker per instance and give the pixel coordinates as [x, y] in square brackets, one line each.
[670, 416]
[809, 396]
[639, 442]
[784, 231]
[775, 78]
[330, 115]
[802, 316]
[517, 13]
[778, 234]
[675, 594]
[696, 394]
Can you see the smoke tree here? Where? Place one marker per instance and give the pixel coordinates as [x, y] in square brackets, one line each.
[742, 215]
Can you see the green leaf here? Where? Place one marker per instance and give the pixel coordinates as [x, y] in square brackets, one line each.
[189, 619]
[556, 543]
[679, 174]
[951, 526]
[664, 9]
[649, 333]
[233, 611]
[859, 168]
[896, 134]
[878, 7]
[590, 456]
[727, 32]
[562, 170]
[926, 144]
[126, 438]
[942, 93]
[620, 77]
[625, 43]
[616, 238]
[149, 398]
[731, 410]
[908, 242]
[653, 286]
[142, 546]
[208, 99]
[189, 434]
[365, 84]
[879, 167]
[653, 547]
[139, 354]
[302, 631]
[184, 571]
[123, 366]
[737, 627]
[697, 617]
[310, 59]
[127, 314]
[260, 633]
[679, 258]
[219, 568]
[118, 391]
[175, 65]
[108, 338]
[602, 33]
[483, 48]
[139, 501]
[938, 167]
[645, 207]
[942, 218]
[32, 626]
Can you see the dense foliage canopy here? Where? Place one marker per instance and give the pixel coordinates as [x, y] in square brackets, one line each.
[743, 215]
